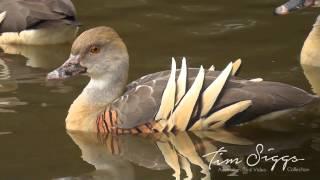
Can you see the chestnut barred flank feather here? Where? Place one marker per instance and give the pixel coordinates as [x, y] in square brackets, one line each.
[107, 123]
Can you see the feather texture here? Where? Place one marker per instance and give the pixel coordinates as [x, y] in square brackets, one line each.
[182, 81]
[211, 68]
[202, 86]
[210, 95]
[182, 114]
[2, 16]
[168, 97]
[236, 66]
[28, 14]
[218, 119]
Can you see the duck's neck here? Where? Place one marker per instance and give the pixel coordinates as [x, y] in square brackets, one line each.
[310, 53]
[96, 96]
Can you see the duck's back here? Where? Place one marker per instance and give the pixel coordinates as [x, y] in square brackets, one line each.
[141, 101]
[25, 14]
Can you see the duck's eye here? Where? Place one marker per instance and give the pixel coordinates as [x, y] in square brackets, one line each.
[94, 50]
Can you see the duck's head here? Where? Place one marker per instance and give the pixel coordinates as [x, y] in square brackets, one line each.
[96, 52]
[293, 5]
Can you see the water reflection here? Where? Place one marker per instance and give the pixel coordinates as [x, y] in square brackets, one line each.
[13, 69]
[113, 156]
[7, 85]
[222, 27]
[157, 151]
[5, 133]
[46, 57]
[21, 64]
[7, 104]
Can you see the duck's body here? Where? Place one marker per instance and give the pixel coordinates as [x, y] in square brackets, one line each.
[37, 22]
[310, 54]
[140, 103]
[108, 105]
[293, 5]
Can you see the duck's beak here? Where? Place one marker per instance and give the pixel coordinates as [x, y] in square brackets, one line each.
[293, 5]
[70, 68]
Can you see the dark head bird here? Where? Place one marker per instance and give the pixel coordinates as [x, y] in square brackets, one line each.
[197, 99]
[37, 22]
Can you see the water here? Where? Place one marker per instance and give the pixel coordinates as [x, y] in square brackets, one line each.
[35, 145]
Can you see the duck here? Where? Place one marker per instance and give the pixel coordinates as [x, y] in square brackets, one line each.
[37, 22]
[310, 54]
[310, 57]
[185, 99]
[294, 5]
[310, 51]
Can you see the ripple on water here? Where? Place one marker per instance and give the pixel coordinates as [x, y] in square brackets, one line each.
[200, 8]
[316, 142]
[59, 87]
[123, 3]
[221, 27]
[163, 16]
[7, 103]
[4, 70]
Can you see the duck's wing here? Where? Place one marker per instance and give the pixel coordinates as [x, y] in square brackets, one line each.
[165, 75]
[26, 14]
[139, 105]
[193, 71]
[146, 93]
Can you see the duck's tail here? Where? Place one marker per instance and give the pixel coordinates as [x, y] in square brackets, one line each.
[178, 104]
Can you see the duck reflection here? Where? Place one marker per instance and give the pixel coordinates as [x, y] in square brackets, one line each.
[154, 151]
[45, 57]
[181, 152]
[7, 85]
[21, 64]
[310, 57]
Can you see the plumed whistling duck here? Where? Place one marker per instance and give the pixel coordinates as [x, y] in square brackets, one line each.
[37, 22]
[310, 54]
[177, 100]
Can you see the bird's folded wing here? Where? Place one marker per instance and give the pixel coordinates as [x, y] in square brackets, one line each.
[22, 14]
